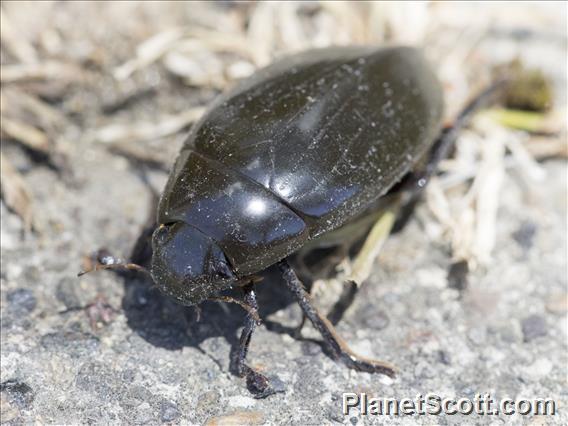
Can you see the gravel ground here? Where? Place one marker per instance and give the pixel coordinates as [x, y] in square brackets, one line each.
[504, 334]
[107, 348]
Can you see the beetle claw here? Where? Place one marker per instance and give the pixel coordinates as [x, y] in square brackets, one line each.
[259, 385]
[368, 365]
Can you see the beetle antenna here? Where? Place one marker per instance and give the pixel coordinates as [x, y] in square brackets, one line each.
[103, 260]
[127, 266]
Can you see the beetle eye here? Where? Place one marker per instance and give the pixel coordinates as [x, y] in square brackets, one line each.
[161, 233]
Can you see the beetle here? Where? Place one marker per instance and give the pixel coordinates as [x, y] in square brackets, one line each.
[302, 149]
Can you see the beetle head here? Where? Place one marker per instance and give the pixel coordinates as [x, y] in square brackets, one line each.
[187, 265]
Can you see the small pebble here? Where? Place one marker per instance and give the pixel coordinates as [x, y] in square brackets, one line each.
[533, 326]
[95, 378]
[525, 235]
[241, 401]
[143, 414]
[539, 369]
[168, 411]
[207, 401]
[310, 348]
[8, 410]
[277, 384]
[477, 335]
[19, 393]
[457, 275]
[371, 317]
[444, 357]
[240, 418]
[66, 292]
[557, 304]
[22, 301]
[423, 370]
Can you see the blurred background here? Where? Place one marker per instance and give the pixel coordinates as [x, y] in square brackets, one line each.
[93, 93]
[129, 77]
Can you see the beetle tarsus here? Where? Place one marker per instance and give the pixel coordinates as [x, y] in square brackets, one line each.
[359, 363]
[258, 384]
[335, 345]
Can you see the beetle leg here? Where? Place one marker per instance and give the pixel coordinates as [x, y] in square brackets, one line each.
[297, 332]
[309, 281]
[448, 136]
[336, 346]
[416, 181]
[346, 299]
[365, 258]
[360, 268]
[257, 383]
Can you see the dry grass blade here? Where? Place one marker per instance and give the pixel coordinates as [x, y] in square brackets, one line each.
[238, 418]
[404, 22]
[438, 203]
[349, 16]
[13, 99]
[527, 165]
[15, 193]
[217, 42]
[139, 155]
[458, 221]
[197, 61]
[40, 144]
[374, 242]
[148, 52]
[542, 148]
[14, 42]
[200, 68]
[487, 187]
[28, 136]
[143, 131]
[261, 32]
[49, 70]
[291, 31]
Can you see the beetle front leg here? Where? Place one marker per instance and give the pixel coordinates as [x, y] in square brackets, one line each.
[257, 383]
[336, 346]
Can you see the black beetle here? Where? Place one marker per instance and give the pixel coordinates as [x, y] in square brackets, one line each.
[302, 148]
[299, 149]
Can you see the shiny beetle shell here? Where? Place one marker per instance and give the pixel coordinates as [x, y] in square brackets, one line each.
[293, 152]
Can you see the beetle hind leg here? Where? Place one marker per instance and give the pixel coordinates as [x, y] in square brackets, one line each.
[361, 266]
[337, 348]
[346, 299]
[415, 181]
[257, 383]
